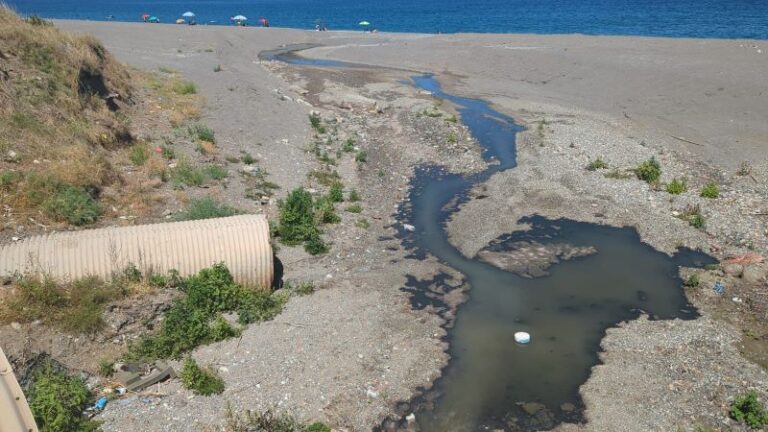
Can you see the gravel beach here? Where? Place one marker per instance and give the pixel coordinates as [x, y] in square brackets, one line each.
[354, 351]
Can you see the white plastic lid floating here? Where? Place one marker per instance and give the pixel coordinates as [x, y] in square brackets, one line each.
[522, 337]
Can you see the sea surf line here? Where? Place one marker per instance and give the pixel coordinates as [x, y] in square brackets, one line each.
[491, 382]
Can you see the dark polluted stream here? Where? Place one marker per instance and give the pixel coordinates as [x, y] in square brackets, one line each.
[492, 382]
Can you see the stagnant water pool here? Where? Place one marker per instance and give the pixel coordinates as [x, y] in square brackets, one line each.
[491, 382]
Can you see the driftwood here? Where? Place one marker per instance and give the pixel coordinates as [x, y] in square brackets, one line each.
[686, 140]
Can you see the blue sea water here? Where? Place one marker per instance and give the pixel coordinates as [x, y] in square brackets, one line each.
[673, 18]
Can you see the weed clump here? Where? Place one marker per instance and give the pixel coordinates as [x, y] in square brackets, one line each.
[74, 307]
[269, 421]
[247, 158]
[206, 208]
[676, 186]
[354, 196]
[361, 156]
[58, 400]
[748, 409]
[336, 194]
[348, 146]
[596, 165]
[74, 205]
[649, 171]
[194, 320]
[325, 211]
[201, 132]
[744, 169]
[363, 223]
[693, 281]
[355, 208]
[203, 381]
[710, 190]
[216, 172]
[185, 174]
[297, 222]
[185, 88]
[139, 155]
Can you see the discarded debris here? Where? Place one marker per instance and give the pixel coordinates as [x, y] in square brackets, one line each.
[719, 288]
[131, 377]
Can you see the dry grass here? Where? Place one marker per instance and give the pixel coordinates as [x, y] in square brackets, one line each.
[74, 307]
[67, 109]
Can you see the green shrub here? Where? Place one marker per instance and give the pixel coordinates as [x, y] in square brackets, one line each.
[710, 190]
[353, 196]
[185, 88]
[348, 146]
[201, 132]
[185, 174]
[74, 205]
[747, 409]
[247, 158]
[216, 172]
[57, 402]
[297, 221]
[317, 122]
[452, 139]
[697, 221]
[217, 68]
[139, 155]
[362, 223]
[596, 165]
[649, 171]
[206, 208]
[336, 194]
[361, 156]
[676, 186]
[315, 245]
[317, 427]
[693, 281]
[167, 152]
[326, 213]
[106, 367]
[299, 288]
[355, 208]
[194, 319]
[203, 381]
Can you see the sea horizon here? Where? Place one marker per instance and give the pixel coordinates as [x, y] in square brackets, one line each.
[739, 19]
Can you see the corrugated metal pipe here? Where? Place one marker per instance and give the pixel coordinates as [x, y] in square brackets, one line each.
[241, 242]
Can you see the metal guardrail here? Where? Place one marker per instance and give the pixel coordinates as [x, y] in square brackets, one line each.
[15, 415]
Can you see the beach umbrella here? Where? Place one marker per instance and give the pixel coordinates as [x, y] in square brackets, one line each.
[364, 23]
[153, 19]
[188, 14]
[239, 18]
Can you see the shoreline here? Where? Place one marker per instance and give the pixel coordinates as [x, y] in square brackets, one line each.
[352, 32]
